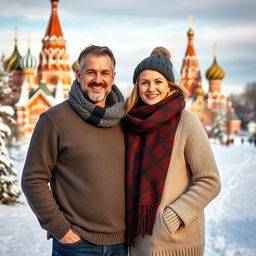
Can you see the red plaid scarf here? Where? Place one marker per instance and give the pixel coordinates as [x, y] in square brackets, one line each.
[149, 141]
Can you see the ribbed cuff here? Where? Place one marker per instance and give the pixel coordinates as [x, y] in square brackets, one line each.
[100, 238]
[171, 220]
[58, 228]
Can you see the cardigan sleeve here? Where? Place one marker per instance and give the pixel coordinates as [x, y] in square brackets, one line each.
[37, 173]
[205, 183]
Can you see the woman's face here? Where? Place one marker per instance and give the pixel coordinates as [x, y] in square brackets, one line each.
[153, 87]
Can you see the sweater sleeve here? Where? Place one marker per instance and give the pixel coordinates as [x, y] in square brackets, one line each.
[40, 162]
[205, 178]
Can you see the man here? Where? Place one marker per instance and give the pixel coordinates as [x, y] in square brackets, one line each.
[78, 147]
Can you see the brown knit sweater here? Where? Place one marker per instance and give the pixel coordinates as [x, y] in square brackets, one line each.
[191, 183]
[85, 168]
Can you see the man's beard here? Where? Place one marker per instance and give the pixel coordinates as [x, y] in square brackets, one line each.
[95, 98]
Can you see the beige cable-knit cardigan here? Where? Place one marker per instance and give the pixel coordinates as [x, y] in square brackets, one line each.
[191, 183]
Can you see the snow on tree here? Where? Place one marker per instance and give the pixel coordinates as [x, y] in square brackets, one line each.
[9, 191]
[219, 125]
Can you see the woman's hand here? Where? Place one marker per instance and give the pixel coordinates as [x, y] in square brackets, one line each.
[70, 237]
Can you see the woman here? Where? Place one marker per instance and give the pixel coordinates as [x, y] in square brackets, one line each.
[171, 171]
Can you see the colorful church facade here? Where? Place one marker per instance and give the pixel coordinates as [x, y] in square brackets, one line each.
[207, 106]
[37, 88]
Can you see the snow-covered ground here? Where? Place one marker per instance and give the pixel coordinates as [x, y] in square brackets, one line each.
[230, 218]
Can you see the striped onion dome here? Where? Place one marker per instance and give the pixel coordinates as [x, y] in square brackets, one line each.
[215, 71]
[13, 62]
[28, 61]
[75, 66]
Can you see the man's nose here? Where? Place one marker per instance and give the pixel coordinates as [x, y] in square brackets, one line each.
[98, 79]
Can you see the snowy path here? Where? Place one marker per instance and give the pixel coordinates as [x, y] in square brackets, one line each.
[230, 218]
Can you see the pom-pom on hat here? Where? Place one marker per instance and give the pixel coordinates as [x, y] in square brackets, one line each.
[159, 60]
[161, 50]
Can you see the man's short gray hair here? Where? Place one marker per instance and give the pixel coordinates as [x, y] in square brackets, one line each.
[95, 50]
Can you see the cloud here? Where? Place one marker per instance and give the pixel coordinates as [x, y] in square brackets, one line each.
[217, 10]
[133, 28]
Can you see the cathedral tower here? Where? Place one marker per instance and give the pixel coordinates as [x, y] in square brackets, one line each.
[190, 71]
[28, 64]
[54, 61]
[215, 74]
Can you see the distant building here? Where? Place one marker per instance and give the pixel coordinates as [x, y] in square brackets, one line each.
[190, 71]
[251, 127]
[199, 106]
[215, 98]
[233, 122]
[12, 65]
[52, 82]
[54, 60]
[207, 106]
[37, 88]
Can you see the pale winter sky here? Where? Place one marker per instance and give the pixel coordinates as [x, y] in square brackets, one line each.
[133, 28]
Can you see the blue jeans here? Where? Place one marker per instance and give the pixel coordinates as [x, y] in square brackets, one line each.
[84, 248]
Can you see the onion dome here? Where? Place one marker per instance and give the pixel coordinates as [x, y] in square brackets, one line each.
[28, 61]
[215, 72]
[190, 32]
[75, 66]
[13, 62]
[199, 90]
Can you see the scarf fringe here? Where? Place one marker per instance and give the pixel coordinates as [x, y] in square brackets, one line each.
[143, 224]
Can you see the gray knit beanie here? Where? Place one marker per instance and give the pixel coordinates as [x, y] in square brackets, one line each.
[157, 62]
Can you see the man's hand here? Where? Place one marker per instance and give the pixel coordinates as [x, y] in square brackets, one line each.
[70, 237]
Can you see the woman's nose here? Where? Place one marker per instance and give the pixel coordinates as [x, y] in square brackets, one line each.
[151, 87]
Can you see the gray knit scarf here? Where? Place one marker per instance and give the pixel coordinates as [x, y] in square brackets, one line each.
[95, 115]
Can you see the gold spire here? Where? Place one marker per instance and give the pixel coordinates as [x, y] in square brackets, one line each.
[190, 19]
[15, 34]
[29, 41]
[190, 31]
[215, 49]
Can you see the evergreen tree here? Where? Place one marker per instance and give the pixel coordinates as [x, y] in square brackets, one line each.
[219, 126]
[9, 191]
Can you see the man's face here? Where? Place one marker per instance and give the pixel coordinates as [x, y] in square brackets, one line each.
[96, 78]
